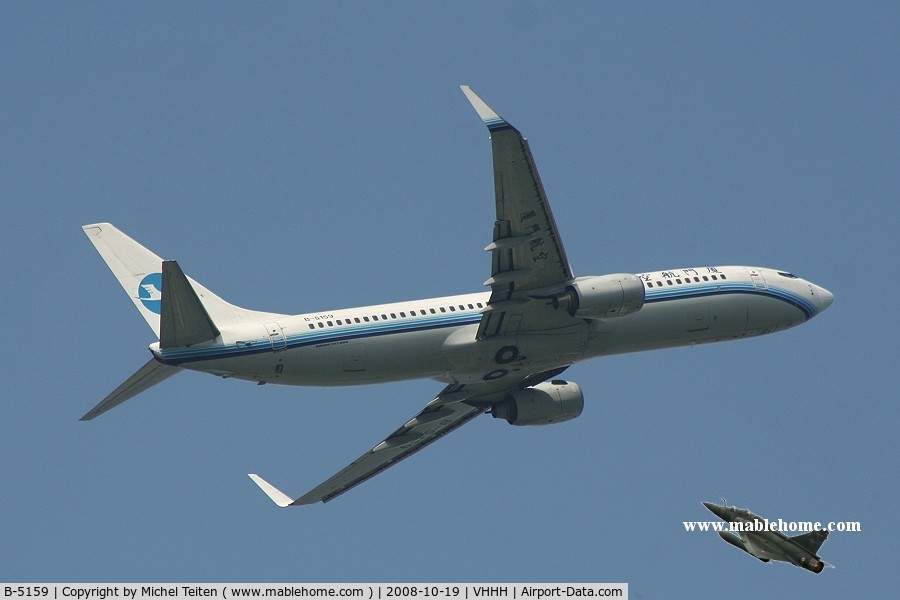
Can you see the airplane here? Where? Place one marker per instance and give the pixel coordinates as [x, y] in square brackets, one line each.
[499, 351]
[799, 550]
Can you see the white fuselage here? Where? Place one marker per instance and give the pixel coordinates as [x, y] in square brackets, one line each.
[436, 338]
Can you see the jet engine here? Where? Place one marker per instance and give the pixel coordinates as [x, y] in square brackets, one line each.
[812, 564]
[602, 297]
[549, 402]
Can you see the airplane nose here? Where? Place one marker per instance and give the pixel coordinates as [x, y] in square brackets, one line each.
[714, 509]
[825, 297]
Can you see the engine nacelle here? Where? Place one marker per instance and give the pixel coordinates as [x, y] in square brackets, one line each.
[602, 297]
[545, 403]
[812, 564]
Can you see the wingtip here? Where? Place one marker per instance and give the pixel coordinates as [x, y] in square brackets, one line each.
[488, 115]
[276, 495]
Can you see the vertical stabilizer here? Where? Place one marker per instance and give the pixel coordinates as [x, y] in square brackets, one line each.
[140, 273]
[811, 541]
[138, 270]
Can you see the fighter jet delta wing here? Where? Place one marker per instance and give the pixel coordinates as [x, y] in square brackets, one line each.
[528, 261]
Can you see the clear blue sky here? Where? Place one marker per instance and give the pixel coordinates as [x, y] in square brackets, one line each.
[297, 157]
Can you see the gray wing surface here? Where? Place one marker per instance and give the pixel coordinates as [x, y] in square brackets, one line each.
[528, 260]
[441, 416]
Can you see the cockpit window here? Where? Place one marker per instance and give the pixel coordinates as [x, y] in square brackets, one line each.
[788, 275]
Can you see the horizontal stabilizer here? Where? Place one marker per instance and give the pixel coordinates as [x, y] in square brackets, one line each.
[147, 376]
[183, 319]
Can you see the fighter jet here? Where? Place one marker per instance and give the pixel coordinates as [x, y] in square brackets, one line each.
[758, 540]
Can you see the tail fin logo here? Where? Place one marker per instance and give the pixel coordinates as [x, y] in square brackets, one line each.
[150, 292]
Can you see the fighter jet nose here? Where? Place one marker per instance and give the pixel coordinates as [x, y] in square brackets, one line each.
[715, 509]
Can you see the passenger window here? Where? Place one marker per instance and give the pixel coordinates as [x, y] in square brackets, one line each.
[697, 279]
[311, 326]
[403, 315]
[356, 319]
[705, 278]
[452, 308]
[366, 319]
[330, 324]
[649, 284]
[470, 306]
[714, 278]
[384, 317]
[321, 325]
[722, 276]
[393, 316]
[374, 317]
[668, 282]
[433, 311]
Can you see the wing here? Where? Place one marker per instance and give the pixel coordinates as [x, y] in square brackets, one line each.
[528, 267]
[528, 261]
[757, 545]
[450, 410]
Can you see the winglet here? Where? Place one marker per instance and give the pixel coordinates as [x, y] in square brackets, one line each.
[277, 496]
[491, 119]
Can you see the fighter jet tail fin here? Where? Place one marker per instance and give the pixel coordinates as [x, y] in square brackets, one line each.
[811, 541]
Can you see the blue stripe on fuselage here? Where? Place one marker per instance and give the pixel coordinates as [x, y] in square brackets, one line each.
[175, 356]
[808, 309]
[327, 335]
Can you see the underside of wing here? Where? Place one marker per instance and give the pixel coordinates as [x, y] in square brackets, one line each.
[528, 261]
[441, 416]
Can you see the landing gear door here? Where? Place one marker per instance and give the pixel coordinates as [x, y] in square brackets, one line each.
[757, 279]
